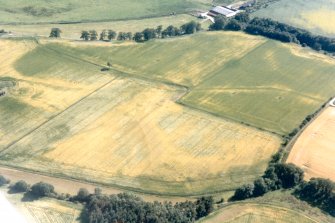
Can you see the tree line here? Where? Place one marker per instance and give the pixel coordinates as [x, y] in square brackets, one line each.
[274, 30]
[145, 35]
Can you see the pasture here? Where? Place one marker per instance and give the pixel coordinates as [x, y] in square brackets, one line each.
[64, 11]
[116, 130]
[315, 16]
[228, 73]
[315, 146]
[273, 207]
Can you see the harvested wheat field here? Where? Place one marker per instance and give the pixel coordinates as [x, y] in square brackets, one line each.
[315, 149]
[136, 136]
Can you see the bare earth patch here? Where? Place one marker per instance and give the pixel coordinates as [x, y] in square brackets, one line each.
[315, 149]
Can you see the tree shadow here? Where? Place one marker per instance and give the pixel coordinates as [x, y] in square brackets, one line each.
[29, 197]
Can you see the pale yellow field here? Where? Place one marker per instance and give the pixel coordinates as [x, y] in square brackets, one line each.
[51, 211]
[314, 150]
[322, 18]
[256, 213]
[45, 210]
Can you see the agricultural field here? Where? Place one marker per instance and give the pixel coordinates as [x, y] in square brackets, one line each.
[274, 207]
[229, 77]
[117, 130]
[73, 31]
[45, 210]
[64, 11]
[313, 149]
[315, 16]
[149, 127]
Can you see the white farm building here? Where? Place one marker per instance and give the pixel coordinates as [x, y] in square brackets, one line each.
[222, 10]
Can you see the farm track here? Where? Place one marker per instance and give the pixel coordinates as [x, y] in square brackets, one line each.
[71, 186]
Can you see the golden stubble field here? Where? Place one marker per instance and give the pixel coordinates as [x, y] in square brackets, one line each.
[126, 132]
[133, 134]
[314, 149]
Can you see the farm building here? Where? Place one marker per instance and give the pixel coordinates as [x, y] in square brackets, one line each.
[222, 10]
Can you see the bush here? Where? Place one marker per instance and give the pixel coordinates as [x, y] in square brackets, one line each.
[243, 192]
[204, 206]
[260, 188]
[83, 195]
[3, 181]
[42, 189]
[20, 187]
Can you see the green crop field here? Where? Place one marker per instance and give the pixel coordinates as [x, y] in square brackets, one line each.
[248, 79]
[43, 11]
[315, 16]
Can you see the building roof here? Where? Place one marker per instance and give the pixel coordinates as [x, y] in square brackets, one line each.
[222, 10]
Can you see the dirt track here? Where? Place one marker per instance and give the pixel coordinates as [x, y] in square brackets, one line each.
[69, 186]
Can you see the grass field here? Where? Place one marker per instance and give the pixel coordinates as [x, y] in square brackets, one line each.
[116, 130]
[228, 73]
[73, 31]
[316, 16]
[314, 148]
[274, 207]
[43, 11]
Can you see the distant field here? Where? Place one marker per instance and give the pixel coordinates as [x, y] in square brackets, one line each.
[316, 16]
[315, 147]
[73, 31]
[44, 11]
[273, 207]
[228, 74]
[119, 131]
[255, 213]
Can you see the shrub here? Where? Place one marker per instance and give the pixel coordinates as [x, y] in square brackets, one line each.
[20, 187]
[42, 189]
[3, 181]
[244, 192]
[83, 195]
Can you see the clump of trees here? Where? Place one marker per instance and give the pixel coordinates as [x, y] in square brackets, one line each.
[318, 192]
[42, 189]
[55, 33]
[274, 30]
[20, 187]
[130, 208]
[277, 176]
